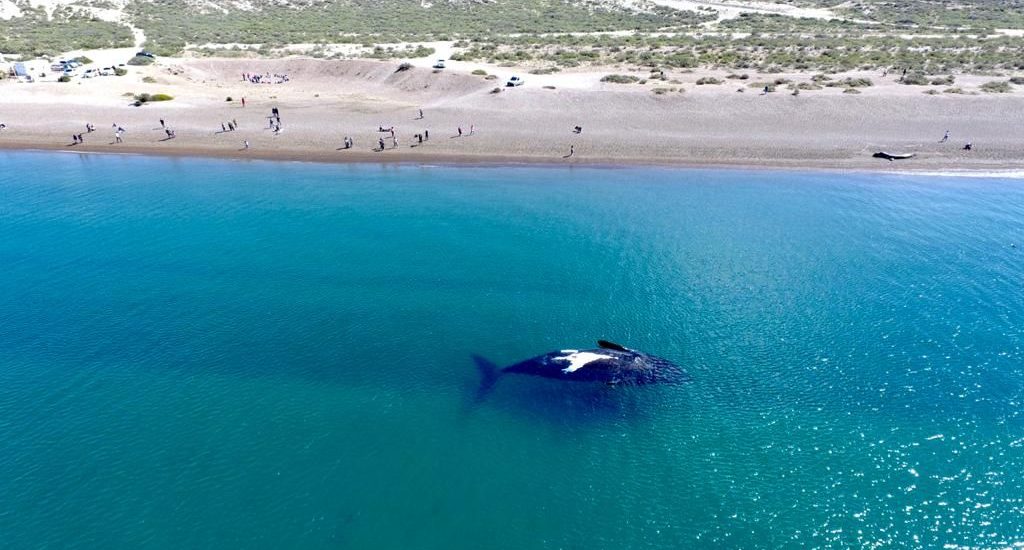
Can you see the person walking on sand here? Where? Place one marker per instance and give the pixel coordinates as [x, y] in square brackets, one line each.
[245, 143]
[117, 137]
[243, 102]
[472, 129]
[421, 114]
[380, 143]
[460, 131]
[945, 137]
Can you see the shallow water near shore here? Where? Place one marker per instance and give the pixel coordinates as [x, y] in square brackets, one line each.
[205, 354]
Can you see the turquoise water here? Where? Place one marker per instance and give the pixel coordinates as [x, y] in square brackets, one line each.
[210, 354]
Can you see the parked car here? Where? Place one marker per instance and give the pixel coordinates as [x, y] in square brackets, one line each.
[439, 64]
[144, 53]
[514, 81]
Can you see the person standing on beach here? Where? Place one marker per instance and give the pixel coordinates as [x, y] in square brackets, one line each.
[245, 143]
[421, 114]
[945, 137]
[472, 129]
[243, 103]
[426, 135]
[380, 142]
[460, 131]
[117, 137]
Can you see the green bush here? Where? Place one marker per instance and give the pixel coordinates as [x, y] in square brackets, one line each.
[620, 78]
[64, 78]
[1017, 80]
[946, 81]
[956, 90]
[83, 60]
[997, 87]
[915, 79]
[709, 80]
[148, 98]
[118, 71]
[479, 72]
[851, 91]
[149, 80]
[140, 60]
[850, 83]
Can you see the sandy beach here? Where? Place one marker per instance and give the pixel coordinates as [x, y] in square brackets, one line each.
[324, 101]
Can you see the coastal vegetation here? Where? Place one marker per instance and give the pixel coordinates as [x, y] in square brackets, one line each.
[931, 38]
[36, 34]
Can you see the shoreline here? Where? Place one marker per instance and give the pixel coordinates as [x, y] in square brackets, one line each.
[977, 170]
[325, 102]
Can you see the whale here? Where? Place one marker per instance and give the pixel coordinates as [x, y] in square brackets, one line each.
[893, 156]
[609, 363]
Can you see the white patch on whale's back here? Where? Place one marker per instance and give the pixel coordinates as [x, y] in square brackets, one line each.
[579, 359]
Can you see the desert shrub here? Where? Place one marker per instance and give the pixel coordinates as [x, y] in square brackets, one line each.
[996, 87]
[662, 91]
[956, 90]
[479, 72]
[1017, 80]
[821, 78]
[931, 91]
[851, 91]
[149, 80]
[491, 77]
[850, 83]
[807, 86]
[770, 86]
[140, 60]
[148, 98]
[403, 67]
[496, 91]
[83, 60]
[619, 78]
[120, 71]
[743, 76]
[944, 81]
[64, 78]
[915, 79]
[709, 80]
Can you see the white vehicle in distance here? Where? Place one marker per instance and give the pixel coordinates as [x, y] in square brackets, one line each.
[439, 64]
[514, 81]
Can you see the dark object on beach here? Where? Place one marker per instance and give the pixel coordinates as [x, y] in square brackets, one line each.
[891, 157]
[403, 67]
[610, 363]
[968, 147]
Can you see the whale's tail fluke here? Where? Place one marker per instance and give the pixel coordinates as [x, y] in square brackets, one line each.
[489, 374]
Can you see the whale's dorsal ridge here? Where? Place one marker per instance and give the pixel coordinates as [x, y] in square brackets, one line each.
[605, 344]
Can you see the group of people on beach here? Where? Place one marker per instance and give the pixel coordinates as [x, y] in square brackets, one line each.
[265, 78]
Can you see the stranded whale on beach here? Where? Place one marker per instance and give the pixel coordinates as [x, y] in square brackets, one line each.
[610, 363]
